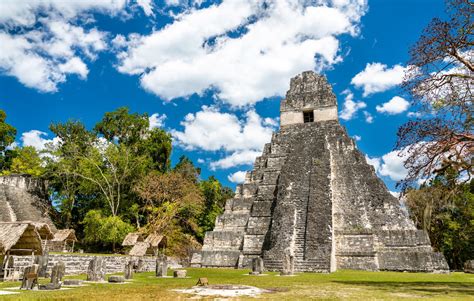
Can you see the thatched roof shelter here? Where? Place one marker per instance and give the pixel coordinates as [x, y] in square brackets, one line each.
[131, 239]
[19, 238]
[67, 235]
[141, 248]
[43, 229]
[156, 240]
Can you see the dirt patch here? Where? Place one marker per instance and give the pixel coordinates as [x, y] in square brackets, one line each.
[224, 290]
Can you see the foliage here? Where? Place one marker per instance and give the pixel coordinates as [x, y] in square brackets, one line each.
[7, 132]
[105, 230]
[439, 79]
[122, 127]
[157, 146]
[26, 161]
[445, 209]
[215, 196]
[186, 167]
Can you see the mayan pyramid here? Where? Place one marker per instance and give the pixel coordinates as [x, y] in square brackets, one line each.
[312, 195]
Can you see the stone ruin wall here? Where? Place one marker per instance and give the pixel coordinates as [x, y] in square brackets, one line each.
[313, 196]
[78, 264]
[24, 198]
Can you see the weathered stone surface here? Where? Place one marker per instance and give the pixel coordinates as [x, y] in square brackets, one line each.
[42, 262]
[96, 270]
[24, 198]
[116, 279]
[180, 273]
[128, 270]
[257, 266]
[57, 273]
[161, 266]
[316, 205]
[78, 264]
[469, 267]
[30, 277]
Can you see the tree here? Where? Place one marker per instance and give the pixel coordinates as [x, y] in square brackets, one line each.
[445, 209]
[186, 167]
[157, 146]
[122, 127]
[7, 132]
[439, 79]
[169, 197]
[215, 196]
[105, 230]
[26, 161]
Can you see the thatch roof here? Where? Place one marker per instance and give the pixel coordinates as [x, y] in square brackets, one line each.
[43, 229]
[19, 239]
[65, 235]
[156, 240]
[141, 248]
[131, 239]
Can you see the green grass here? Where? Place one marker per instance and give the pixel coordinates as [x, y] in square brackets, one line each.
[347, 285]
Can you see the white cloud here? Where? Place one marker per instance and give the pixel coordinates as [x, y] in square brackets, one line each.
[147, 6]
[156, 120]
[357, 137]
[377, 77]
[395, 193]
[237, 177]
[368, 117]
[414, 114]
[43, 59]
[35, 138]
[237, 158]
[212, 130]
[26, 12]
[201, 161]
[274, 42]
[394, 106]
[390, 165]
[350, 107]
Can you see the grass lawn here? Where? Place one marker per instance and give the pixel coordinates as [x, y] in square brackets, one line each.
[348, 285]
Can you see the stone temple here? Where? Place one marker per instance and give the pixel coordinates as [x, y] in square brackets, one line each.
[312, 196]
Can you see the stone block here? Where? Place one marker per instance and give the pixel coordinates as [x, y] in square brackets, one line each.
[258, 225]
[469, 267]
[220, 258]
[262, 208]
[180, 273]
[116, 279]
[222, 240]
[253, 244]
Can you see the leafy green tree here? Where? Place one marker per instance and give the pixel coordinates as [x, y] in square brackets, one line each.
[157, 146]
[123, 127]
[7, 132]
[26, 161]
[110, 230]
[445, 209]
[186, 167]
[215, 196]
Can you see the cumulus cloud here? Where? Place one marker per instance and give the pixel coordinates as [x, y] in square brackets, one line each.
[156, 120]
[246, 157]
[212, 130]
[377, 77]
[394, 106]
[237, 177]
[45, 41]
[414, 114]
[243, 50]
[36, 139]
[390, 165]
[357, 137]
[350, 107]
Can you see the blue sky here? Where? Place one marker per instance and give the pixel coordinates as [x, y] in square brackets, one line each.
[213, 73]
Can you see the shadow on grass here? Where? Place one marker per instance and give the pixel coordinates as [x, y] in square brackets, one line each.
[422, 287]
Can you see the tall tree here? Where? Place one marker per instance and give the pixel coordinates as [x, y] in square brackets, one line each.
[440, 79]
[26, 161]
[186, 167]
[7, 132]
[123, 127]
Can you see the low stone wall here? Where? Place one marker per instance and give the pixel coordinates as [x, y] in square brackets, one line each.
[78, 264]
